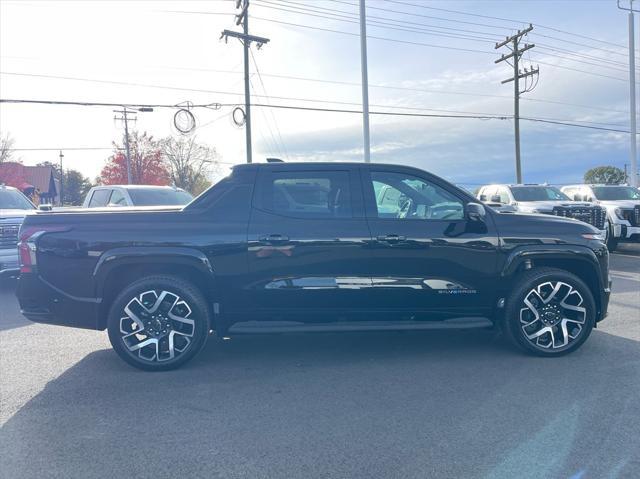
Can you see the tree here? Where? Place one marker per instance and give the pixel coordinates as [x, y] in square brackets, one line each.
[147, 164]
[608, 175]
[6, 148]
[190, 164]
[76, 186]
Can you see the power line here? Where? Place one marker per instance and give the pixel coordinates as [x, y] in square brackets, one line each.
[275, 122]
[421, 90]
[505, 20]
[388, 19]
[350, 18]
[214, 106]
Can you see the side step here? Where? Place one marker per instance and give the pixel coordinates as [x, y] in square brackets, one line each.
[258, 327]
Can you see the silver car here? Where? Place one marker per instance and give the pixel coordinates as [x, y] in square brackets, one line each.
[13, 208]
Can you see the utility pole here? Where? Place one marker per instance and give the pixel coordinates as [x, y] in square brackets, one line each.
[365, 82]
[632, 94]
[125, 112]
[246, 39]
[125, 118]
[513, 43]
[61, 156]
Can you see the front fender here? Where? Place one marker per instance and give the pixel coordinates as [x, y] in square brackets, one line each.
[152, 255]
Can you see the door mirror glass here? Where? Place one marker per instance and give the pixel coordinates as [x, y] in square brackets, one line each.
[475, 212]
[577, 197]
[483, 197]
[495, 199]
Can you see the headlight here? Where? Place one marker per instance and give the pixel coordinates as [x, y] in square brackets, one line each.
[595, 236]
[618, 213]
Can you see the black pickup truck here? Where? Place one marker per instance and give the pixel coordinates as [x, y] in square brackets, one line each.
[286, 247]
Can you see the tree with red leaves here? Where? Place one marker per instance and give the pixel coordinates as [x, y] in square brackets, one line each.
[147, 163]
[12, 174]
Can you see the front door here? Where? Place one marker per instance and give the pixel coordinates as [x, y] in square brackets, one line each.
[308, 245]
[428, 261]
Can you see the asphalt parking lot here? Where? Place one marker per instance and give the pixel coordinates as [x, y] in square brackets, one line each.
[389, 405]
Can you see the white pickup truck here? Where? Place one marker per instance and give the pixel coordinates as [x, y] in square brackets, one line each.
[623, 209]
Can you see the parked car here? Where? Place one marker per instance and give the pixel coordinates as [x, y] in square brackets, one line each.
[622, 204]
[544, 199]
[13, 208]
[135, 195]
[290, 247]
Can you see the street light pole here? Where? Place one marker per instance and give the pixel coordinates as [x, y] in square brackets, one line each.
[632, 96]
[365, 82]
[61, 180]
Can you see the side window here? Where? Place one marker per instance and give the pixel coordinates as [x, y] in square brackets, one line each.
[99, 198]
[408, 197]
[504, 196]
[308, 194]
[117, 198]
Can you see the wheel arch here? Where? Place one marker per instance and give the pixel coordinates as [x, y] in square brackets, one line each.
[578, 260]
[120, 267]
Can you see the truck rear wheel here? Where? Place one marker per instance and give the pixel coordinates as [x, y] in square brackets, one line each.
[550, 312]
[158, 323]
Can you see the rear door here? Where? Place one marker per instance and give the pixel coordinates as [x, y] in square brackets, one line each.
[308, 244]
[428, 261]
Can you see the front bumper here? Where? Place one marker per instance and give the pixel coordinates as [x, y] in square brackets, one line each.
[625, 232]
[9, 262]
[41, 302]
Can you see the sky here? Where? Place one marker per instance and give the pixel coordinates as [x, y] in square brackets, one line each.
[423, 58]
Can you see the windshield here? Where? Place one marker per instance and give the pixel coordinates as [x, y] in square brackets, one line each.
[14, 200]
[159, 197]
[538, 193]
[613, 193]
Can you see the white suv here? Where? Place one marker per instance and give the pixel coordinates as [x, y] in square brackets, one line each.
[622, 204]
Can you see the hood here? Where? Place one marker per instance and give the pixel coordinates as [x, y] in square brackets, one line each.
[9, 216]
[528, 206]
[630, 204]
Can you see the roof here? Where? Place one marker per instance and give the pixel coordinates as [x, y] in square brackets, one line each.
[40, 177]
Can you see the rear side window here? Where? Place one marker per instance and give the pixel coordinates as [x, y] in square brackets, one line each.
[307, 194]
[99, 198]
[117, 198]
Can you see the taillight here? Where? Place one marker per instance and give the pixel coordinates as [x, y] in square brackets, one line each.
[27, 245]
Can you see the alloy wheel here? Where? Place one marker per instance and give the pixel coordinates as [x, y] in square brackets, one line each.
[553, 315]
[157, 326]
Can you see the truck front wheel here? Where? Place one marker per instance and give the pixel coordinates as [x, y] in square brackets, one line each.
[550, 312]
[158, 323]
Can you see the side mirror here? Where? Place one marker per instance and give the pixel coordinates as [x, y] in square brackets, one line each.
[577, 197]
[483, 198]
[475, 212]
[45, 208]
[495, 199]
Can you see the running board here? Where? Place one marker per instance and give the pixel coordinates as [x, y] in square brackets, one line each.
[257, 327]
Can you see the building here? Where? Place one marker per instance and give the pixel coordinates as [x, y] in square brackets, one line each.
[37, 182]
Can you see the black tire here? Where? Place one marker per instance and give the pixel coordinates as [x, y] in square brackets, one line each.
[176, 330]
[518, 314]
[612, 242]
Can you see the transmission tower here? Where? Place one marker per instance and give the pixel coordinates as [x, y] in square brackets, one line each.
[516, 51]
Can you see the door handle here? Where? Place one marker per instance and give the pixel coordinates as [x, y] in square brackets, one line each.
[275, 238]
[392, 238]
